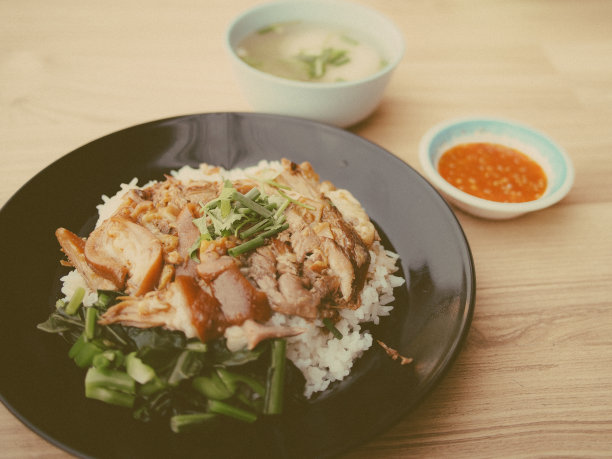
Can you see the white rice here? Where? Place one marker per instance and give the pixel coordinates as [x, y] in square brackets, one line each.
[321, 357]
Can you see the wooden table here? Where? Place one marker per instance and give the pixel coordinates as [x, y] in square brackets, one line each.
[535, 375]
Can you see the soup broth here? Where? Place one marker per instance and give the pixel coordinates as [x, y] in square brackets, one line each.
[310, 52]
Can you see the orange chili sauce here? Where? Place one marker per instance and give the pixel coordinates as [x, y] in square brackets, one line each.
[493, 172]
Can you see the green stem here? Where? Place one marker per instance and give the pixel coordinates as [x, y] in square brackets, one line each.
[215, 406]
[83, 352]
[137, 369]
[245, 201]
[213, 387]
[230, 379]
[112, 397]
[281, 209]
[187, 422]
[75, 301]
[111, 358]
[91, 316]
[255, 228]
[332, 328]
[253, 193]
[256, 241]
[273, 231]
[295, 201]
[273, 403]
[110, 379]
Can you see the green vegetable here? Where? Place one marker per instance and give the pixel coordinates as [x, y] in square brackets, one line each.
[253, 205]
[270, 182]
[59, 322]
[76, 347]
[83, 351]
[188, 422]
[111, 358]
[256, 241]
[188, 364]
[295, 201]
[155, 405]
[223, 356]
[263, 224]
[332, 328]
[110, 379]
[273, 403]
[109, 396]
[253, 217]
[213, 387]
[90, 322]
[138, 370]
[231, 380]
[160, 374]
[316, 64]
[197, 346]
[75, 301]
[215, 406]
[268, 29]
[153, 386]
[60, 304]
[110, 386]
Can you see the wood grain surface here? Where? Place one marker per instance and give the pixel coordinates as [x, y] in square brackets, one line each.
[535, 376]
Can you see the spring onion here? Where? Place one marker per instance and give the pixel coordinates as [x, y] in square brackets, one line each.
[332, 328]
[316, 64]
[295, 201]
[253, 217]
[256, 241]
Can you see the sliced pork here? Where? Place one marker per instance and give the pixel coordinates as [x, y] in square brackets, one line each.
[182, 306]
[126, 253]
[316, 264]
[238, 299]
[278, 278]
[74, 248]
[188, 235]
[251, 333]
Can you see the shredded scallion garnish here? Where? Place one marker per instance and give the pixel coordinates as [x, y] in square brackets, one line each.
[316, 64]
[332, 328]
[253, 217]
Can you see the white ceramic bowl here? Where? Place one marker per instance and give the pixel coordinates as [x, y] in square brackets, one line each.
[553, 160]
[339, 103]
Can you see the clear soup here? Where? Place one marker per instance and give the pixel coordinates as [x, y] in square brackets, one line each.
[308, 51]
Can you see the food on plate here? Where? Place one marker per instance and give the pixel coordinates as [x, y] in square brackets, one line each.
[394, 354]
[209, 293]
[307, 51]
[493, 171]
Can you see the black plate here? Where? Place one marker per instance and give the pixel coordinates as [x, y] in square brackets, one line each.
[432, 314]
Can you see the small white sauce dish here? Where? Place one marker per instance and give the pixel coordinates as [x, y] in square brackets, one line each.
[551, 157]
[339, 103]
